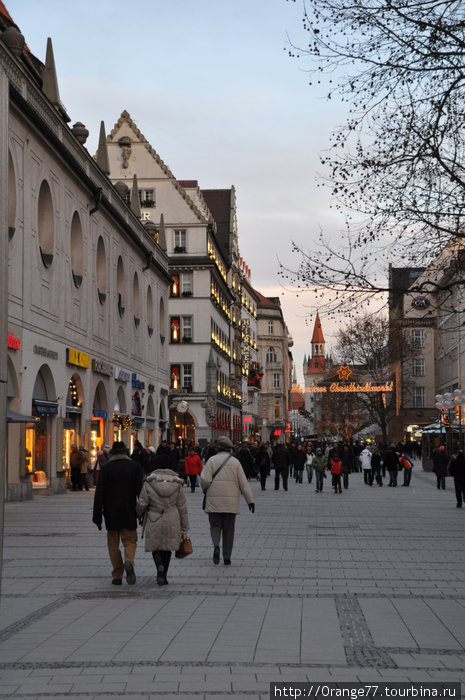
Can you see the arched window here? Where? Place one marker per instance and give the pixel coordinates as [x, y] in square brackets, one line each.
[76, 250]
[11, 198]
[101, 271]
[120, 286]
[149, 311]
[271, 355]
[45, 224]
[136, 300]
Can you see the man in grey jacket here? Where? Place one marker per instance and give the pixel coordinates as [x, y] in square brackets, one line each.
[223, 480]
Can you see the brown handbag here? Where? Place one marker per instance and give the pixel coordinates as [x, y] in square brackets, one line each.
[184, 549]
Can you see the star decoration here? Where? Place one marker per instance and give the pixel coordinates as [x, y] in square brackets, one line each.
[344, 373]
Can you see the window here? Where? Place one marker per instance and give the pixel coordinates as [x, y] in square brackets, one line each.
[180, 240]
[418, 367]
[175, 330]
[76, 250]
[419, 397]
[187, 377]
[187, 284]
[270, 327]
[174, 290]
[276, 380]
[147, 198]
[277, 410]
[45, 224]
[418, 338]
[186, 329]
[271, 355]
[120, 286]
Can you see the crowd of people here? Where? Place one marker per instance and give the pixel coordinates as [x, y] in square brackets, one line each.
[146, 487]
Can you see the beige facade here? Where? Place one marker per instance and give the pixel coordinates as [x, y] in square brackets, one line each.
[87, 294]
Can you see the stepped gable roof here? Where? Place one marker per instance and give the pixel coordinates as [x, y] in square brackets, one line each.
[219, 203]
[125, 118]
[318, 331]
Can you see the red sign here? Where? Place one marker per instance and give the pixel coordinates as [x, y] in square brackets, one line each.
[13, 343]
[277, 433]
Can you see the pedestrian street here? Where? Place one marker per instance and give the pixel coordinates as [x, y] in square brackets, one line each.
[367, 585]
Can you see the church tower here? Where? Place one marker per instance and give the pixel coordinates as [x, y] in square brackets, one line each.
[316, 363]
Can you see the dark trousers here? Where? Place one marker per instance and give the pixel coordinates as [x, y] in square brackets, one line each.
[392, 478]
[407, 477]
[459, 491]
[263, 474]
[319, 476]
[76, 478]
[336, 478]
[222, 524]
[345, 480]
[284, 473]
[441, 482]
[193, 480]
[368, 476]
[298, 475]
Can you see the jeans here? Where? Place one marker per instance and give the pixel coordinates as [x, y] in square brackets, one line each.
[129, 541]
[309, 469]
[392, 478]
[319, 476]
[298, 475]
[407, 476]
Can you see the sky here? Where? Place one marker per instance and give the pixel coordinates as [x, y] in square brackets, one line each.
[211, 86]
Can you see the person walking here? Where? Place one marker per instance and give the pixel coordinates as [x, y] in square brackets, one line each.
[100, 459]
[116, 493]
[193, 467]
[300, 458]
[262, 460]
[365, 461]
[75, 461]
[391, 461]
[336, 471]
[139, 454]
[85, 468]
[457, 471]
[440, 462]
[376, 469]
[163, 506]
[308, 465]
[280, 461]
[319, 464]
[407, 466]
[223, 481]
[348, 464]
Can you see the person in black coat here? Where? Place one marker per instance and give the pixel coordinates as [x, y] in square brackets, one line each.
[391, 461]
[280, 461]
[115, 498]
[262, 460]
[440, 462]
[300, 458]
[457, 470]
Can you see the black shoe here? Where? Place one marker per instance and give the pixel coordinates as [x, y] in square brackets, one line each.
[216, 555]
[227, 562]
[130, 575]
[117, 581]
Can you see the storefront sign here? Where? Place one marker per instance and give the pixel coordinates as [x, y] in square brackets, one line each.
[13, 342]
[45, 352]
[351, 388]
[75, 357]
[136, 383]
[100, 414]
[102, 368]
[121, 375]
[48, 408]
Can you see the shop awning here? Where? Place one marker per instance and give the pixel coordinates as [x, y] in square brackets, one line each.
[13, 417]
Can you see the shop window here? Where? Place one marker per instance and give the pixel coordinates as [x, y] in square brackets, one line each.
[76, 250]
[45, 224]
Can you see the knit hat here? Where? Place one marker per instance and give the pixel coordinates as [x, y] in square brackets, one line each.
[151, 449]
[118, 448]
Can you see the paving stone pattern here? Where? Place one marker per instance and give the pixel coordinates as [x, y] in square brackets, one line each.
[364, 586]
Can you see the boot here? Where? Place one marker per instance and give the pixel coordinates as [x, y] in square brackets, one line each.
[166, 558]
[161, 574]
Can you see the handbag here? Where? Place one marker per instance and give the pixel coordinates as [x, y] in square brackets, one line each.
[185, 548]
[204, 501]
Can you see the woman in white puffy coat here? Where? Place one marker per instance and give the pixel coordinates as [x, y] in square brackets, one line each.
[163, 505]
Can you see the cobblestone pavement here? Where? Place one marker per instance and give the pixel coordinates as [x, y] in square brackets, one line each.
[364, 586]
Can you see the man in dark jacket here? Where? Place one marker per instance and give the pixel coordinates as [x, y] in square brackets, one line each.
[280, 461]
[440, 462]
[118, 487]
[457, 470]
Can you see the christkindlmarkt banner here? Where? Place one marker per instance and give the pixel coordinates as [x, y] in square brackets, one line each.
[344, 373]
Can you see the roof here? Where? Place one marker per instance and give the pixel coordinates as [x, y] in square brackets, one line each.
[318, 331]
[5, 12]
[297, 401]
[219, 203]
[267, 303]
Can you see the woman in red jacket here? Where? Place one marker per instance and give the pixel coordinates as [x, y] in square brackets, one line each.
[336, 471]
[192, 467]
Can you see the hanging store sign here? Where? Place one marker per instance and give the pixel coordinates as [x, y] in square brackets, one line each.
[13, 342]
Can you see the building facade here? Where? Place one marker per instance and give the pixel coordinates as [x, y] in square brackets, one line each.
[88, 289]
